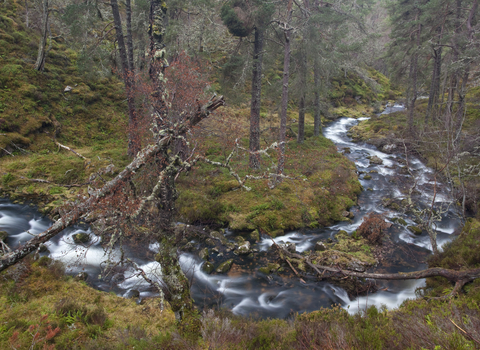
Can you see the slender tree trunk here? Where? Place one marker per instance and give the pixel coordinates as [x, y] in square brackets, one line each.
[131, 66]
[461, 91]
[317, 121]
[303, 83]
[26, 14]
[254, 159]
[286, 76]
[40, 63]
[413, 78]
[133, 139]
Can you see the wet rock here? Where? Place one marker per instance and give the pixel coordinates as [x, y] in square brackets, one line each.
[367, 177]
[3, 235]
[375, 160]
[402, 222]
[43, 249]
[373, 172]
[346, 150]
[208, 267]
[370, 189]
[320, 247]
[243, 249]
[389, 148]
[239, 240]
[291, 247]
[270, 268]
[210, 242]
[215, 250]
[415, 230]
[81, 238]
[188, 247]
[225, 266]
[356, 265]
[81, 276]
[133, 294]
[219, 236]
[203, 254]
[254, 236]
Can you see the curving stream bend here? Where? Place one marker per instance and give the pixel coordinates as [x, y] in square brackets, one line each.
[245, 290]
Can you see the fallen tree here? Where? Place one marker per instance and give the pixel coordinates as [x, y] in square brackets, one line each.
[458, 277]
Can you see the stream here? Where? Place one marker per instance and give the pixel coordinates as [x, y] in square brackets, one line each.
[244, 289]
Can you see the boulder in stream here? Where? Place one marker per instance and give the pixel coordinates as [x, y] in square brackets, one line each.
[203, 254]
[244, 248]
[208, 267]
[225, 266]
[415, 230]
[375, 160]
[3, 235]
[80, 238]
[254, 236]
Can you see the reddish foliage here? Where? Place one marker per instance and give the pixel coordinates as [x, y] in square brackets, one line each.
[372, 227]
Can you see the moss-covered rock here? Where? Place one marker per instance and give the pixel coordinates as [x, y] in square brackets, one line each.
[203, 254]
[208, 267]
[254, 236]
[270, 268]
[81, 238]
[375, 160]
[415, 230]
[225, 266]
[243, 249]
[3, 235]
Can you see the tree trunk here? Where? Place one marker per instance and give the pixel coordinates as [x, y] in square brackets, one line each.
[40, 63]
[303, 83]
[133, 139]
[284, 107]
[435, 83]
[413, 78]
[317, 121]
[461, 90]
[131, 66]
[27, 14]
[254, 159]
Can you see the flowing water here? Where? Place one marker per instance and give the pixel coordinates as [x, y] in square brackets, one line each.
[244, 289]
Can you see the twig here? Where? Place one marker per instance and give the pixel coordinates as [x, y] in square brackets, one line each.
[295, 271]
[8, 152]
[466, 333]
[70, 149]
